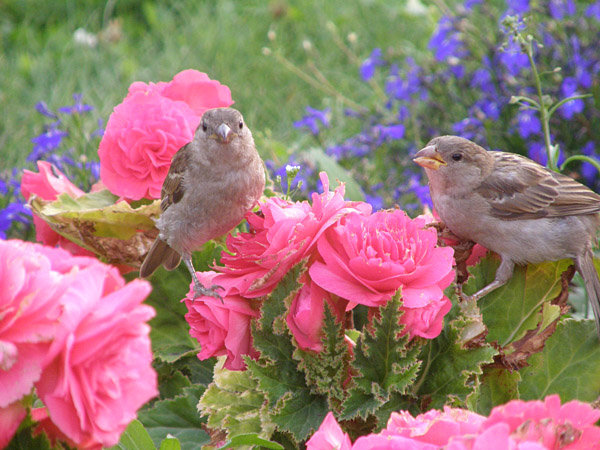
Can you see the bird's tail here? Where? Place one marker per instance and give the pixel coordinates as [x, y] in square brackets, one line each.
[585, 266]
[160, 253]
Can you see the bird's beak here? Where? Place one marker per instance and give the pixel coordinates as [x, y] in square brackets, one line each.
[429, 158]
[224, 133]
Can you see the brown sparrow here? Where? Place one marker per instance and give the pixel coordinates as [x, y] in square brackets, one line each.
[212, 182]
[513, 206]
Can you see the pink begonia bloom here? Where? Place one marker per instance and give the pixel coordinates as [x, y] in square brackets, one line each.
[10, 418]
[569, 426]
[99, 371]
[194, 88]
[329, 436]
[434, 427]
[305, 317]
[383, 442]
[282, 233]
[141, 136]
[366, 259]
[48, 184]
[30, 309]
[221, 327]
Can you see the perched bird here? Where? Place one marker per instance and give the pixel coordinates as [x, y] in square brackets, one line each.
[212, 182]
[511, 205]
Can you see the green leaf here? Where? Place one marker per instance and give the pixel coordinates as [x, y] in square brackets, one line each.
[384, 361]
[250, 440]
[498, 386]
[335, 172]
[568, 365]
[234, 403]
[452, 366]
[293, 407]
[170, 444]
[515, 308]
[178, 417]
[116, 232]
[326, 370]
[135, 437]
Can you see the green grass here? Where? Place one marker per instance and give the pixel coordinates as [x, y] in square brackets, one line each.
[39, 59]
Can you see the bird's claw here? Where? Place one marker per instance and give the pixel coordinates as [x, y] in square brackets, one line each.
[201, 291]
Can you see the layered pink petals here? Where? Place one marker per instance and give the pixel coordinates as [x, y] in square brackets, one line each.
[149, 126]
[221, 327]
[100, 373]
[305, 318]
[517, 425]
[366, 259]
[72, 328]
[283, 233]
[10, 419]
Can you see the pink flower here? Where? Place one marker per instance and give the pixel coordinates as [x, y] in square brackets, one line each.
[48, 184]
[142, 135]
[10, 418]
[30, 309]
[221, 327]
[305, 318]
[54, 434]
[329, 436]
[434, 427]
[99, 368]
[547, 422]
[366, 259]
[384, 442]
[194, 88]
[283, 233]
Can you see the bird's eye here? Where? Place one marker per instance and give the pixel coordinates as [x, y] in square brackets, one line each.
[456, 156]
[204, 127]
[241, 125]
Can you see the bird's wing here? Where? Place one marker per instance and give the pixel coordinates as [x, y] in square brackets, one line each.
[519, 188]
[172, 189]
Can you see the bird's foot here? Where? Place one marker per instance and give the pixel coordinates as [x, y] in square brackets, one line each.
[201, 291]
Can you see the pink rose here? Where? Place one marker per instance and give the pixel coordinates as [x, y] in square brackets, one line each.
[142, 135]
[99, 369]
[30, 309]
[48, 184]
[305, 318]
[282, 234]
[366, 259]
[329, 436]
[10, 418]
[221, 327]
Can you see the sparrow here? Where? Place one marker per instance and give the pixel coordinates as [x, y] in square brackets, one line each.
[211, 184]
[513, 206]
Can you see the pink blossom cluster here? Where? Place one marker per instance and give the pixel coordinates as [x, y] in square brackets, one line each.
[353, 256]
[517, 425]
[76, 334]
[149, 126]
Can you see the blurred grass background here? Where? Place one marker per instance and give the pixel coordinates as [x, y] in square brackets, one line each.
[153, 40]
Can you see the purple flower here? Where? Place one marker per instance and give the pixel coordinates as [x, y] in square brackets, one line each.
[529, 123]
[367, 68]
[537, 151]
[43, 109]
[593, 10]
[446, 41]
[513, 58]
[468, 5]
[589, 171]
[469, 128]
[99, 132]
[572, 107]
[312, 119]
[77, 108]
[46, 142]
[13, 212]
[519, 7]
[561, 8]
[389, 132]
[3, 187]
[375, 201]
